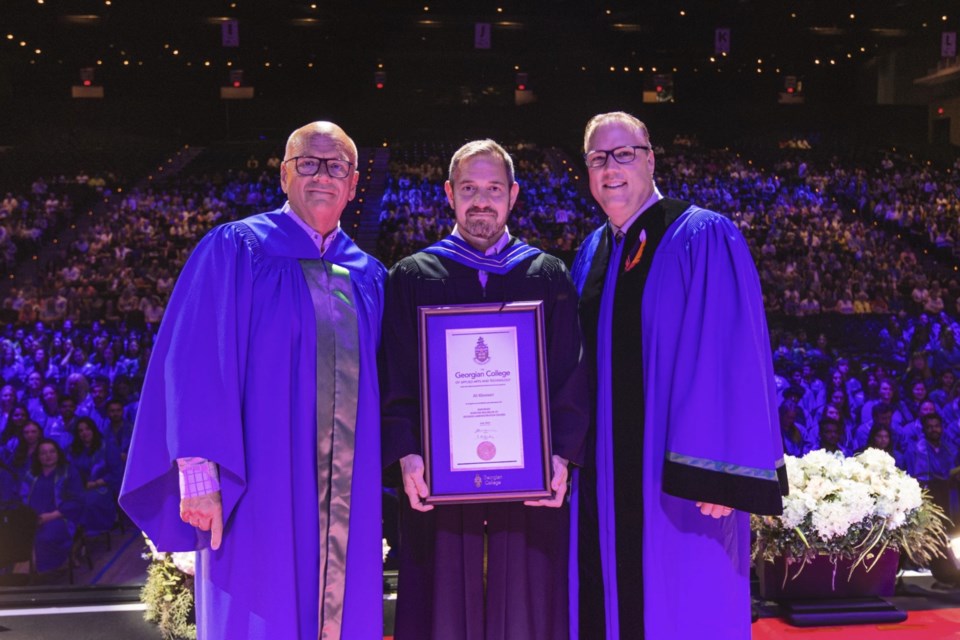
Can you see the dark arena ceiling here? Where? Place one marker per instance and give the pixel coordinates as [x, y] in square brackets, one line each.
[424, 54]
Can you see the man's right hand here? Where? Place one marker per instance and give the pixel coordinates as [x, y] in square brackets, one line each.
[411, 467]
[205, 512]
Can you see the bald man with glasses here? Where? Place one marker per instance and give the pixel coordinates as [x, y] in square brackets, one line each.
[257, 441]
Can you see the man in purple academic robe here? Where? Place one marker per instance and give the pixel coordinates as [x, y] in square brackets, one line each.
[259, 419]
[686, 440]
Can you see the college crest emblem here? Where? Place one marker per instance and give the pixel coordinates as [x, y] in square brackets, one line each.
[481, 352]
[477, 481]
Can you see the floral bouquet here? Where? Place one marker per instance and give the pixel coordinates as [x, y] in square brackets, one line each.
[850, 508]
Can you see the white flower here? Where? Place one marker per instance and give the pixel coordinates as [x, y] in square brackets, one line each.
[794, 511]
[910, 496]
[186, 561]
[877, 459]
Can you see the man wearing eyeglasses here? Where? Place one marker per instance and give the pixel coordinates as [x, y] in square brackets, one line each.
[685, 442]
[259, 419]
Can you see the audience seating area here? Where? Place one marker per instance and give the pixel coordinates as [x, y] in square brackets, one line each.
[857, 260]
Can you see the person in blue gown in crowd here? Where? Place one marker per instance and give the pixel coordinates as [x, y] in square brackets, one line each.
[118, 430]
[934, 461]
[18, 417]
[23, 447]
[97, 461]
[52, 488]
[17, 527]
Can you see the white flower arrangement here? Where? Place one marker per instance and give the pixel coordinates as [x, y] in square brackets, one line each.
[853, 508]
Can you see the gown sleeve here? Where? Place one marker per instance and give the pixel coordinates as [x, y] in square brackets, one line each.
[584, 258]
[568, 384]
[399, 366]
[191, 404]
[713, 370]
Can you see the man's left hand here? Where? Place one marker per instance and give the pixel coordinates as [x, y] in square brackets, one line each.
[714, 510]
[205, 512]
[558, 485]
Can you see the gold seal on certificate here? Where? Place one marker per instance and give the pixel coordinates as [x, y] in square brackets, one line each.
[483, 397]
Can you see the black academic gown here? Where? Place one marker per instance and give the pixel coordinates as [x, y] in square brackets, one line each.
[627, 428]
[441, 586]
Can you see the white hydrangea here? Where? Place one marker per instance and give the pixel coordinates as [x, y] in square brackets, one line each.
[795, 510]
[795, 472]
[186, 561]
[837, 492]
[876, 459]
[910, 495]
[829, 521]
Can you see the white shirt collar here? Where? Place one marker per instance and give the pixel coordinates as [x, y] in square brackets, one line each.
[654, 198]
[322, 242]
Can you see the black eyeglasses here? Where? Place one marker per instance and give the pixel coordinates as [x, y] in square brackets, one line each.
[623, 155]
[308, 166]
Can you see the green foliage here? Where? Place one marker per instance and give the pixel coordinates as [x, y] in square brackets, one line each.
[168, 594]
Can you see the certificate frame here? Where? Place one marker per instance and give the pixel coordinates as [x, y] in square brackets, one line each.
[452, 476]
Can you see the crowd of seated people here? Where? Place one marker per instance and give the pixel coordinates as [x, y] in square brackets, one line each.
[414, 209]
[67, 406]
[806, 218]
[73, 359]
[917, 197]
[550, 212]
[123, 265]
[817, 252]
[29, 218]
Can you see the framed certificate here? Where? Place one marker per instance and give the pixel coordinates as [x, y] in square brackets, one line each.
[484, 404]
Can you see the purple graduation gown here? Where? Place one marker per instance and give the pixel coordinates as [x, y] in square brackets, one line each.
[708, 431]
[233, 378]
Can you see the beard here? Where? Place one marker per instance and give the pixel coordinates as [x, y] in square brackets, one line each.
[482, 227]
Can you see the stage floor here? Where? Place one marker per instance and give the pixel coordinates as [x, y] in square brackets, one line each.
[103, 605]
[113, 622]
[937, 624]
